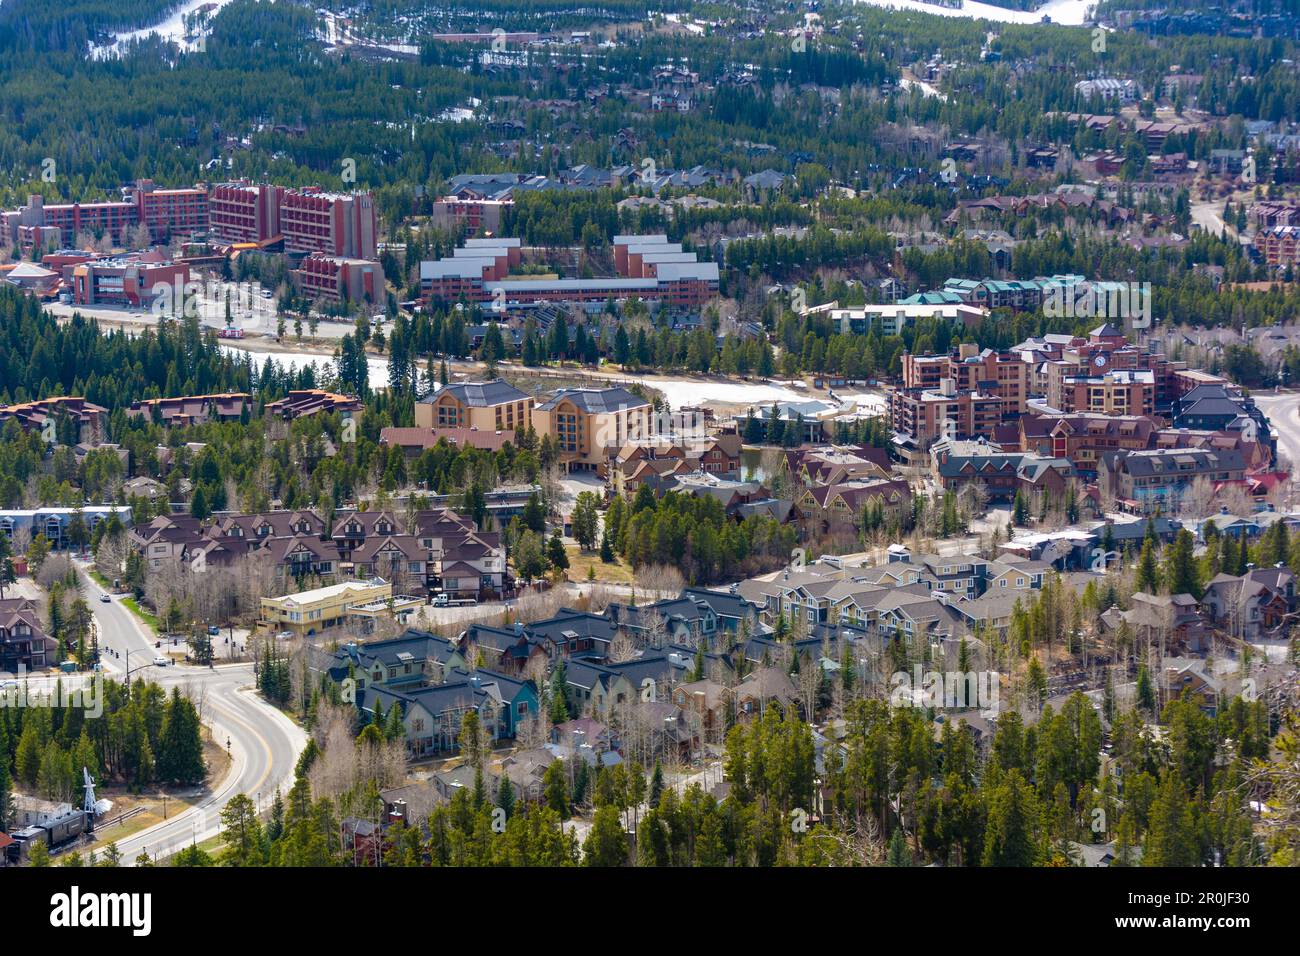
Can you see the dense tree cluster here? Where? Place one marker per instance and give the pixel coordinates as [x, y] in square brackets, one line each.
[144, 738]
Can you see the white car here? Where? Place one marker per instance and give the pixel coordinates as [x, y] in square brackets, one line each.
[105, 599]
[161, 661]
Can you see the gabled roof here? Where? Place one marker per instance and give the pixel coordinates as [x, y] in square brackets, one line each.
[596, 401]
[479, 394]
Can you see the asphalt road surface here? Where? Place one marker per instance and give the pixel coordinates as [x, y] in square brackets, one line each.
[263, 743]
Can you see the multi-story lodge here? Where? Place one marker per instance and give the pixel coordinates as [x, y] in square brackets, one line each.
[487, 406]
[1159, 479]
[589, 425]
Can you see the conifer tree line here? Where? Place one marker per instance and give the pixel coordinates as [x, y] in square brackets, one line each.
[144, 739]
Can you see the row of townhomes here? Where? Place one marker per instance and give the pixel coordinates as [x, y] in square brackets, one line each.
[698, 662]
[427, 551]
[628, 658]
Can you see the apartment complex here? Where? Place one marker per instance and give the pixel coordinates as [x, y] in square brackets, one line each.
[921, 416]
[1002, 375]
[192, 409]
[431, 550]
[339, 279]
[128, 280]
[309, 220]
[487, 406]
[310, 401]
[1279, 245]
[170, 213]
[590, 424]
[893, 318]
[649, 268]
[1159, 479]
[84, 420]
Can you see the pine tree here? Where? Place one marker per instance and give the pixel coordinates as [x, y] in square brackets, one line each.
[1148, 578]
[899, 852]
[506, 796]
[1181, 566]
[556, 788]
[555, 552]
[180, 745]
[1020, 510]
[559, 706]
[606, 844]
[1171, 836]
[656, 784]
[1009, 838]
[1146, 699]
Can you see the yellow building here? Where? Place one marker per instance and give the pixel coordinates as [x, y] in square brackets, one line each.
[309, 612]
[590, 425]
[488, 406]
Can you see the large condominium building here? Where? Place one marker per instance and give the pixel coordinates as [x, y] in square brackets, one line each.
[649, 268]
[891, 319]
[1114, 392]
[921, 416]
[308, 613]
[308, 220]
[331, 224]
[339, 279]
[487, 406]
[37, 224]
[1000, 374]
[167, 212]
[244, 212]
[170, 212]
[85, 420]
[1279, 245]
[590, 424]
[1158, 479]
[128, 280]
[309, 401]
[192, 409]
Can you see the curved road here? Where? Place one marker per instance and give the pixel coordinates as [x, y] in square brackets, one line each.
[264, 744]
[1283, 411]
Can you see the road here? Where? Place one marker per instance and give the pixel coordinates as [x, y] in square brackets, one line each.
[1283, 410]
[1208, 214]
[263, 743]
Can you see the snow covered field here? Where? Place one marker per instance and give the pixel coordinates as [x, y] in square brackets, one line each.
[1066, 12]
[172, 28]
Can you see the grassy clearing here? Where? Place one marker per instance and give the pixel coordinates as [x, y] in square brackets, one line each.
[619, 572]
